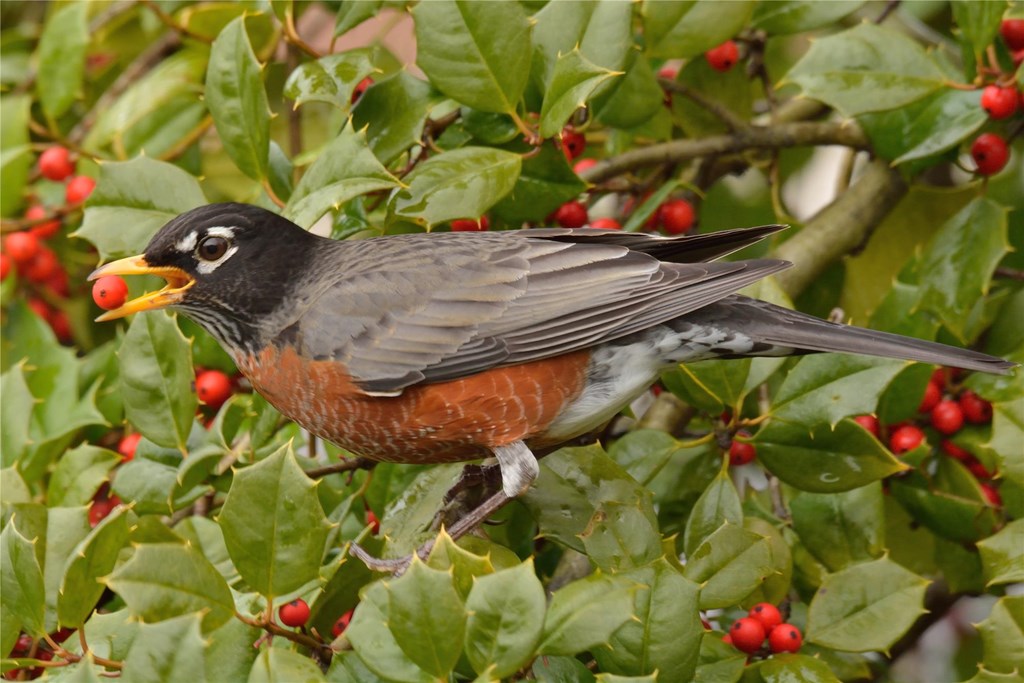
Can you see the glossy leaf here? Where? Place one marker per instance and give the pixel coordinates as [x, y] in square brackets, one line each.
[331, 79]
[978, 22]
[665, 637]
[711, 385]
[277, 664]
[171, 650]
[166, 580]
[394, 113]
[464, 566]
[1001, 554]
[585, 613]
[274, 526]
[840, 529]
[413, 506]
[62, 49]
[783, 17]
[1002, 635]
[238, 101]
[687, 29]
[15, 414]
[21, 580]
[573, 80]
[460, 183]
[375, 644]
[427, 617]
[643, 452]
[506, 618]
[545, 182]
[476, 54]
[65, 529]
[795, 668]
[866, 68]
[345, 169]
[354, 12]
[958, 265]
[631, 99]
[79, 474]
[15, 152]
[824, 460]
[730, 564]
[133, 200]
[951, 503]
[156, 380]
[93, 558]
[720, 503]
[622, 535]
[945, 121]
[600, 30]
[865, 607]
[1007, 435]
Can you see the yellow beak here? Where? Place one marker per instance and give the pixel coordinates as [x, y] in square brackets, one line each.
[178, 282]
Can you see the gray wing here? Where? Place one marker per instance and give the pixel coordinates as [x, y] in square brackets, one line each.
[432, 308]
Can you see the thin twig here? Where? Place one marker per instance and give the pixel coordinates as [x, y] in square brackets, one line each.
[1009, 273]
[890, 7]
[723, 113]
[350, 465]
[273, 629]
[168, 21]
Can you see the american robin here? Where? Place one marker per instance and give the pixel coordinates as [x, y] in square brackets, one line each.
[428, 348]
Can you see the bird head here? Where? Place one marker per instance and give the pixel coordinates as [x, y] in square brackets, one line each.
[227, 266]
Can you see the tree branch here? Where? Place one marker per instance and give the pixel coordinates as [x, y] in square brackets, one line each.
[799, 134]
[841, 226]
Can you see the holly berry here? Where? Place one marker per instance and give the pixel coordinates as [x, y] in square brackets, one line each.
[954, 451]
[932, 396]
[870, 423]
[741, 452]
[213, 388]
[39, 307]
[470, 225]
[976, 409]
[606, 223]
[42, 267]
[1000, 103]
[723, 57]
[372, 522]
[21, 246]
[126, 447]
[583, 164]
[101, 507]
[55, 163]
[747, 635]
[358, 91]
[110, 292]
[990, 153]
[58, 283]
[341, 624]
[5, 266]
[295, 613]
[676, 216]
[785, 638]
[573, 143]
[571, 215]
[947, 417]
[46, 229]
[767, 613]
[906, 438]
[1012, 31]
[60, 325]
[991, 494]
[978, 470]
[78, 189]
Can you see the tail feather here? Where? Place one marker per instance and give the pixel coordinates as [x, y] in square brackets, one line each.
[766, 323]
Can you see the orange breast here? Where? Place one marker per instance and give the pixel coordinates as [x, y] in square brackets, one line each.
[444, 422]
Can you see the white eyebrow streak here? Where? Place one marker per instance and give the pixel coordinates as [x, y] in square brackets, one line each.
[188, 242]
[207, 267]
[220, 231]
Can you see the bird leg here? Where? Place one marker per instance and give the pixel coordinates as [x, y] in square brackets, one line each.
[519, 469]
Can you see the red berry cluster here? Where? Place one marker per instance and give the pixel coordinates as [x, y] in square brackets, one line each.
[764, 622]
[1001, 100]
[28, 253]
[946, 408]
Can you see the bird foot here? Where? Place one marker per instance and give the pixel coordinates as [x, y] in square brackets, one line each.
[472, 520]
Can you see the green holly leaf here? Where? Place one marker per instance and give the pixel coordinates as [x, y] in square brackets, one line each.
[865, 607]
[729, 564]
[573, 80]
[944, 121]
[277, 664]
[427, 617]
[351, 14]
[171, 650]
[710, 385]
[958, 265]
[978, 22]
[1002, 635]
[630, 100]
[346, 168]
[1001, 554]
[16, 155]
[394, 112]
[477, 54]
[792, 668]
[331, 79]
[94, 557]
[866, 68]
[62, 49]
[165, 580]
[238, 101]
[840, 529]
[688, 29]
[720, 503]
[950, 502]
[464, 565]
[585, 613]
[784, 17]
[825, 460]
[156, 379]
[79, 474]
[21, 580]
[666, 635]
[66, 528]
[374, 642]
[506, 619]
[15, 415]
[1007, 435]
[133, 200]
[600, 30]
[545, 182]
[274, 526]
[460, 183]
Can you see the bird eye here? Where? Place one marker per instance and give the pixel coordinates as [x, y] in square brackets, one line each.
[212, 248]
